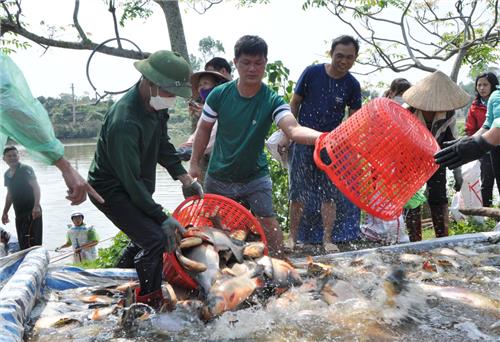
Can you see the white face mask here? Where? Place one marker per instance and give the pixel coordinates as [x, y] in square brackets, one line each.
[159, 103]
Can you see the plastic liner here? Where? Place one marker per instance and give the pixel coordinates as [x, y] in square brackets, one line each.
[18, 295]
[69, 277]
[23, 118]
[464, 239]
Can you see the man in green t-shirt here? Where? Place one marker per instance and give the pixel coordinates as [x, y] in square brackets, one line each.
[245, 110]
[23, 192]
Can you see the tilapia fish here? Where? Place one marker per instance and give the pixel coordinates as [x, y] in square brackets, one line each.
[464, 296]
[206, 255]
[219, 239]
[280, 273]
[228, 293]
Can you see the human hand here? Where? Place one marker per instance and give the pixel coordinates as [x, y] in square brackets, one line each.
[36, 212]
[77, 186]
[5, 218]
[283, 146]
[194, 169]
[192, 189]
[462, 151]
[170, 227]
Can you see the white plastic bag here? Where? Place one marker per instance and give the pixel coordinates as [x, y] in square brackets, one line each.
[272, 144]
[469, 195]
[457, 202]
[388, 232]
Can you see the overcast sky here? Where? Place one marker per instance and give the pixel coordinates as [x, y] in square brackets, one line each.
[294, 36]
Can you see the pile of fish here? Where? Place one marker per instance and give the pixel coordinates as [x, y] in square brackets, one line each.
[230, 270]
[440, 294]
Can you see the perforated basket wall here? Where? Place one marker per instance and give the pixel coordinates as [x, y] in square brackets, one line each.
[195, 212]
[379, 157]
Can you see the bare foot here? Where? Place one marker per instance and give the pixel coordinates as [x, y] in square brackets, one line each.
[330, 247]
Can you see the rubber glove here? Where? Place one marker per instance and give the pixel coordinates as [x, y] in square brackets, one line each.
[462, 151]
[457, 174]
[170, 227]
[192, 189]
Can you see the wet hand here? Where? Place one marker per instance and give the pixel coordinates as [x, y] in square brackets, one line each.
[170, 227]
[5, 218]
[192, 189]
[78, 188]
[36, 212]
[283, 146]
[194, 170]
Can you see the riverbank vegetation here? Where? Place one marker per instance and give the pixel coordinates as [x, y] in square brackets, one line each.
[80, 117]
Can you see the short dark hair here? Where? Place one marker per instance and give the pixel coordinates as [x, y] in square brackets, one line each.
[492, 80]
[344, 40]
[4, 235]
[218, 63]
[8, 149]
[399, 86]
[250, 45]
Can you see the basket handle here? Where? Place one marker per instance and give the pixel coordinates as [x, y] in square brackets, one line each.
[321, 153]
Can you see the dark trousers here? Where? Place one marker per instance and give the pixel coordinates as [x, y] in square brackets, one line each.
[437, 188]
[145, 234]
[29, 231]
[127, 258]
[495, 169]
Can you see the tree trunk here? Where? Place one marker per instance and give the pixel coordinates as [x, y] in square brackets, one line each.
[489, 212]
[175, 27]
[457, 64]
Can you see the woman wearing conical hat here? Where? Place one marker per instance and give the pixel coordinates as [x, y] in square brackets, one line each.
[434, 100]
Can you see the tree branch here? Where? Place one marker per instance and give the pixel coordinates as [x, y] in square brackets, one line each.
[82, 34]
[82, 45]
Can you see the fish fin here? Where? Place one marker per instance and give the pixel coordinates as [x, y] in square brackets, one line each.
[257, 271]
[288, 261]
[259, 282]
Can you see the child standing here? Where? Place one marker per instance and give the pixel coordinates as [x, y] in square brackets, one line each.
[82, 238]
[8, 243]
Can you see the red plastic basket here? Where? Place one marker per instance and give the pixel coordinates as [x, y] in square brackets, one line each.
[194, 211]
[379, 157]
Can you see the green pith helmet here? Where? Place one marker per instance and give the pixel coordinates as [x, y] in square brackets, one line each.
[168, 70]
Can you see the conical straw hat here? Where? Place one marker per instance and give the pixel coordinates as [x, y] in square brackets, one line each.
[436, 93]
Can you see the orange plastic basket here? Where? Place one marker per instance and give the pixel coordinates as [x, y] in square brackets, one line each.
[379, 157]
[194, 211]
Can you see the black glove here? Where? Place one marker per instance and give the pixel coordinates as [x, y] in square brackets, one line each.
[458, 182]
[462, 151]
[170, 227]
[192, 189]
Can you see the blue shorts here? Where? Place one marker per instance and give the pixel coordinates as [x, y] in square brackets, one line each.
[256, 194]
[306, 178]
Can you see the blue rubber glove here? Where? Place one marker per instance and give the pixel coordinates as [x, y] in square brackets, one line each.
[170, 227]
[192, 189]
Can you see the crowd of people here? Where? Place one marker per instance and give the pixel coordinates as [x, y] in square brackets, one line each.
[231, 121]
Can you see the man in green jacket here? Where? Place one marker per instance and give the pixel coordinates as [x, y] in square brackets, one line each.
[133, 140]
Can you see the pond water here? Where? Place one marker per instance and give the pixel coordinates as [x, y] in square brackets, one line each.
[57, 210]
[447, 294]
